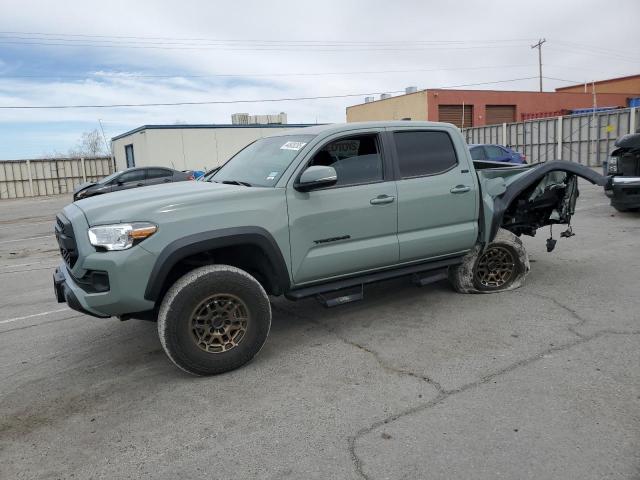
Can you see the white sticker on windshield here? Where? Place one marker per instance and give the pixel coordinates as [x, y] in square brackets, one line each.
[272, 175]
[293, 145]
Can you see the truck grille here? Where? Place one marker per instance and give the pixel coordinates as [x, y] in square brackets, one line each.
[66, 240]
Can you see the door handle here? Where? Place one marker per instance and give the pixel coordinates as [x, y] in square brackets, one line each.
[140, 185]
[460, 189]
[382, 199]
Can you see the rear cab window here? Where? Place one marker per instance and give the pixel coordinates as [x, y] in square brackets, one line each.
[423, 153]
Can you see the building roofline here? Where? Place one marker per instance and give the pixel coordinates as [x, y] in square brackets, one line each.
[599, 82]
[530, 92]
[208, 125]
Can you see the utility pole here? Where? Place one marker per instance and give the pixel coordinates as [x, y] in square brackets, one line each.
[539, 47]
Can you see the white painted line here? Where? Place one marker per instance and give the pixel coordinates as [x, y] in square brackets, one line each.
[28, 265]
[24, 239]
[14, 225]
[10, 320]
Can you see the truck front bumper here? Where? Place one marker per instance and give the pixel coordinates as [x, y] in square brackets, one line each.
[106, 284]
[624, 192]
[65, 293]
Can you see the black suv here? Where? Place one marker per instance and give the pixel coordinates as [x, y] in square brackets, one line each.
[130, 178]
[624, 169]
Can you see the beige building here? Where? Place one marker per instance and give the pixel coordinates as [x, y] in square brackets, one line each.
[411, 106]
[186, 147]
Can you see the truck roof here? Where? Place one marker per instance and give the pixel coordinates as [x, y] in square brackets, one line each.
[343, 127]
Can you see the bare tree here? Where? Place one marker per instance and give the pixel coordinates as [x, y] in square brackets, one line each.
[91, 144]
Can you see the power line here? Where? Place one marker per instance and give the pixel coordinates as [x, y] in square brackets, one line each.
[283, 48]
[124, 75]
[610, 51]
[226, 102]
[580, 51]
[210, 39]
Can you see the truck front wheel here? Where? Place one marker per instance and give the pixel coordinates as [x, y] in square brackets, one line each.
[502, 265]
[214, 319]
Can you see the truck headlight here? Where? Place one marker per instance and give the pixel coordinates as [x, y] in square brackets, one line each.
[121, 236]
[613, 165]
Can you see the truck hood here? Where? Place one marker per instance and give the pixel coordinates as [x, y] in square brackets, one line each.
[151, 202]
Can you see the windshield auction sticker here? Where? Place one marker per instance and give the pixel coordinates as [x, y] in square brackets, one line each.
[293, 146]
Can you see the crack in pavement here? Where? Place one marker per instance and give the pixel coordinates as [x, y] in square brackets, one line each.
[443, 394]
[358, 463]
[373, 353]
[581, 320]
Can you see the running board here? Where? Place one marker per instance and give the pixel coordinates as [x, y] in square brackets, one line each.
[430, 277]
[437, 271]
[340, 297]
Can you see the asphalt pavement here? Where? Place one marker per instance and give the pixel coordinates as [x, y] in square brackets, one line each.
[538, 383]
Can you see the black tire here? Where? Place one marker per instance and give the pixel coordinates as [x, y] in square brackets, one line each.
[476, 274]
[214, 319]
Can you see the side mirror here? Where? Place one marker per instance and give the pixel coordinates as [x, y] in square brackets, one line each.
[316, 176]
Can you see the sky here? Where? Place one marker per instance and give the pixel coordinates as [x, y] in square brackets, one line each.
[164, 51]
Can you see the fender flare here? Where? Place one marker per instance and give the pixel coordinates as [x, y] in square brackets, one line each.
[190, 245]
[502, 202]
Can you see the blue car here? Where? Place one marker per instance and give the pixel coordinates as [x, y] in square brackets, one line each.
[496, 153]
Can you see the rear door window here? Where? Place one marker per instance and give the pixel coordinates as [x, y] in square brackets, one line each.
[477, 153]
[133, 176]
[424, 153]
[495, 152]
[155, 173]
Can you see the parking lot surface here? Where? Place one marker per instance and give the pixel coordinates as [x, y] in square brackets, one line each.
[540, 382]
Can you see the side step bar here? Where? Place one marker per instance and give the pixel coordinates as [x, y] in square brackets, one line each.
[423, 274]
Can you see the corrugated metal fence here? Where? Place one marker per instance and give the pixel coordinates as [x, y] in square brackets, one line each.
[587, 139]
[49, 176]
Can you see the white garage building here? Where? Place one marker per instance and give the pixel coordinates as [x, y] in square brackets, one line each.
[187, 147]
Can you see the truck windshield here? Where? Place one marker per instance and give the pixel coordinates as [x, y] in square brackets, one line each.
[262, 163]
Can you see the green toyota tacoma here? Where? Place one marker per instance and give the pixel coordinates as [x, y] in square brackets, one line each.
[320, 211]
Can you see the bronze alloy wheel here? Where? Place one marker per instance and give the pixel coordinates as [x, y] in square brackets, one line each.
[219, 323]
[495, 268]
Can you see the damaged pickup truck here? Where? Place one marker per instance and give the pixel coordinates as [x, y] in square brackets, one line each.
[316, 212]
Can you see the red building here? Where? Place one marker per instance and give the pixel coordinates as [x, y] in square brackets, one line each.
[473, 108]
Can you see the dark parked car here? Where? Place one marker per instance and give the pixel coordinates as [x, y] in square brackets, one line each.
[623, 168]
[130, 178]
[496, 153]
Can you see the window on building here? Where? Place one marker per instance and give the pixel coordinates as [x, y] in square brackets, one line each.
[424, 153]
[128, 153]
[356, 159]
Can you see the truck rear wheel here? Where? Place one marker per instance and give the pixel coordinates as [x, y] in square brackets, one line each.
[214, 319]
[503, 265]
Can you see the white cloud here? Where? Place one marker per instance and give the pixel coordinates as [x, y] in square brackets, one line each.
[355, 21]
